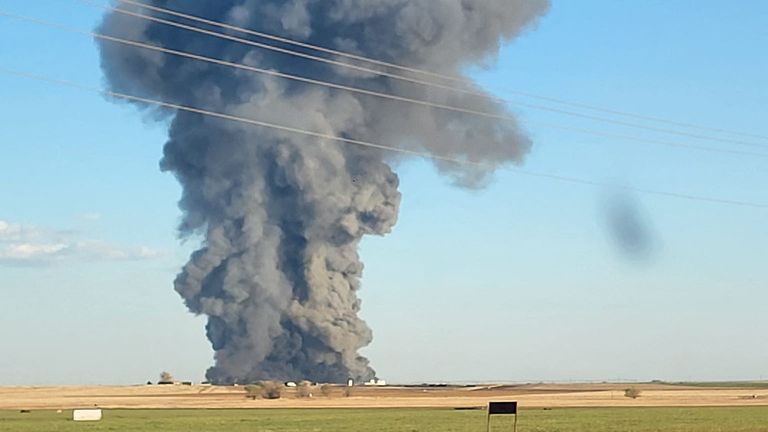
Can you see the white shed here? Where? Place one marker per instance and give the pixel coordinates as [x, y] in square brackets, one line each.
[86, 415]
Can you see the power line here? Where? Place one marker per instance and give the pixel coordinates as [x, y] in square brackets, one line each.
[289, 41]
[636, 116]
[368, 144]
[364, 91]
[455, 79]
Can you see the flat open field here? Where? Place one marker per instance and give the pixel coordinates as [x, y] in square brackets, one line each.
[529, 396]
[728, 419]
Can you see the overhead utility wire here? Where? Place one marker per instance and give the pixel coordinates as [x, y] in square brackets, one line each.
[422, 82]
[364, 91]
[455, 79]
[289, 41]
[368, 144]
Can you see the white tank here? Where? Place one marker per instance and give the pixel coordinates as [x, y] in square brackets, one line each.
[86, 415]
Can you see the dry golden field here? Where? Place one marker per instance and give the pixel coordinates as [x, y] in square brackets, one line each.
[531, 395]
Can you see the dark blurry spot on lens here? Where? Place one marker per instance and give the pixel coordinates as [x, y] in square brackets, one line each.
[629, 227]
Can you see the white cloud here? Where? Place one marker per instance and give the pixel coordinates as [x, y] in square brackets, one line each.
[31, 251]
[150, 253]
[14, 232]
[25, 245]
[90, 217]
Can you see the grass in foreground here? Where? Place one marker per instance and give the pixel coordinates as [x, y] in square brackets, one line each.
[737, 419]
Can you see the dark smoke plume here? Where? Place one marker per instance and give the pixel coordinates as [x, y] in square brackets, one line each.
[282, 214]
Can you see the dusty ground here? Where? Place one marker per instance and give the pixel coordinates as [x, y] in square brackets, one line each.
[533, 396]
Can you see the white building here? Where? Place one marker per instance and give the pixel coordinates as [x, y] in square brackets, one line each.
[86, 415]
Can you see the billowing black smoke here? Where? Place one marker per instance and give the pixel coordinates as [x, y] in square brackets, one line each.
[282, 214]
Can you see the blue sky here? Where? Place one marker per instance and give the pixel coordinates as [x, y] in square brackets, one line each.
[520, 281]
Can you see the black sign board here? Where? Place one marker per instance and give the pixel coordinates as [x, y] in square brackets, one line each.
[502, 408]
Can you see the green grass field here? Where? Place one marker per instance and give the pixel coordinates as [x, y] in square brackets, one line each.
[398, 420]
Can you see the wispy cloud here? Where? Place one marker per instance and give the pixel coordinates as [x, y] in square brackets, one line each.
[90, 217]
[28, 245]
